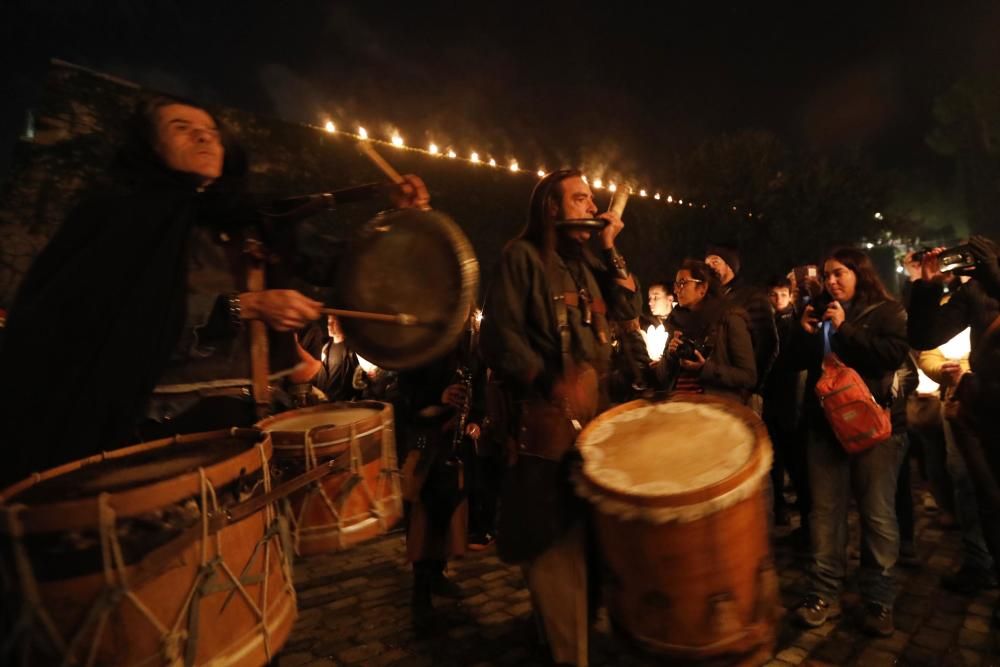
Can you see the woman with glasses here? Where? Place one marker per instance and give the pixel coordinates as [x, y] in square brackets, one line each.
[709, 350]
[866, 329]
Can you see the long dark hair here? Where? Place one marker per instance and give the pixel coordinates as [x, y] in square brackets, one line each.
[869, 286]
[540, 231]
[137, 158]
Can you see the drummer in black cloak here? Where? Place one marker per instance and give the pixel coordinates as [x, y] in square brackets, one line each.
[149, 271]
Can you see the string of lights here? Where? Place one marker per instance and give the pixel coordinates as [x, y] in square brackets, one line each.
[474, 158]
[512, 165]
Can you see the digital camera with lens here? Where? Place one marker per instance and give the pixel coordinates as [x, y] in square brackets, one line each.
[687, 347]
[955, 258]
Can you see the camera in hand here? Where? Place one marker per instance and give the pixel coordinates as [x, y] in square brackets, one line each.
[951, 259]
[819, 303]
[687, 347]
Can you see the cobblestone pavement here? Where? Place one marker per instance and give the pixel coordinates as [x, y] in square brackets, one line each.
[354, 610]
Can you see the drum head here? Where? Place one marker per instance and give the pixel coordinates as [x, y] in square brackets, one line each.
[414, 262]
[664, 449]
[114, 475]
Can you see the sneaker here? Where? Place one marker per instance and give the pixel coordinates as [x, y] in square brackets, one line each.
[814, 611]
[444, 587]
[480, 542]
[969, 581]
[878, 620]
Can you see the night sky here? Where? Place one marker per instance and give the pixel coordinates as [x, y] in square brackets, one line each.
[550, 83]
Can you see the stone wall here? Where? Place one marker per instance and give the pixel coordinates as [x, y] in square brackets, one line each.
[78, 124]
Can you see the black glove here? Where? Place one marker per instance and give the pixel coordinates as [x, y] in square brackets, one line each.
[987, 269]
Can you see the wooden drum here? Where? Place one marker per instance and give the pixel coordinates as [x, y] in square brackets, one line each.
[164, 553]
[361, 501]
[678, 490]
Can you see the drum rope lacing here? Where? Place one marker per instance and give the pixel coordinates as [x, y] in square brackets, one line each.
[388, 480]
[117, 588]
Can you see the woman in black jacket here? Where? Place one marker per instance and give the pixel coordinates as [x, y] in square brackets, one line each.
[709, 350]
[867, 331]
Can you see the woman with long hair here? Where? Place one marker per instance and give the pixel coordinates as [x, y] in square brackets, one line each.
[866, 329]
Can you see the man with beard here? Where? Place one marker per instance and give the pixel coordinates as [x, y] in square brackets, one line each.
[545, 338]
[725, 262]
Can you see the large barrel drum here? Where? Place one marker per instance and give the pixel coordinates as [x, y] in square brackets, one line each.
[679, 493]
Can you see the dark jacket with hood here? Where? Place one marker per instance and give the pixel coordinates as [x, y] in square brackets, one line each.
[117, 275]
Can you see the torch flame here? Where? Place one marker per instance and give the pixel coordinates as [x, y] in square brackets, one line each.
[656, 196]
[363, 133]
[670, 199]
[474, 157]
[452, 153]
[330, 127]
[541, 173]
[397, 140]
[514, 166]
[642, 193]
[493, 162]
[433, 148]
[612, 187]
[598, 183]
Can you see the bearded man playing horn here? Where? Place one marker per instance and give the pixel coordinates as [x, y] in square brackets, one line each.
[545, 338]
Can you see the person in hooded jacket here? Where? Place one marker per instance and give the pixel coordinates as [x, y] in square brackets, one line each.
[149, 266]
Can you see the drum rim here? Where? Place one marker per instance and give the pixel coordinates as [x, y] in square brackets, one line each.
[468, 269]
[694, 496]
[290, 444]
[84, 512]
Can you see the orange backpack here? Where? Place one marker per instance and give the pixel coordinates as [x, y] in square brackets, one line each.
[856, 418]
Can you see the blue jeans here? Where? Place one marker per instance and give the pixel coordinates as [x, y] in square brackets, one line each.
[871, 476]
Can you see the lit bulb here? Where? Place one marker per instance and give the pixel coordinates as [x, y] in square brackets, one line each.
[656, 196]
[452, 153]
[363, 133]
[878, 215]
[541, 173]
[514, 166]
[670, 199]
[690, 204]
[597, 183]
[474, 157]
[493, 162]
[433, 148]
[642, 193]
[330, 127]
[869, 245]
[612, 187]
[397, 140]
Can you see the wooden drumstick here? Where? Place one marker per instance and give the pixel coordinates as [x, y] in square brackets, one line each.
[393, 318]
[373, 155]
